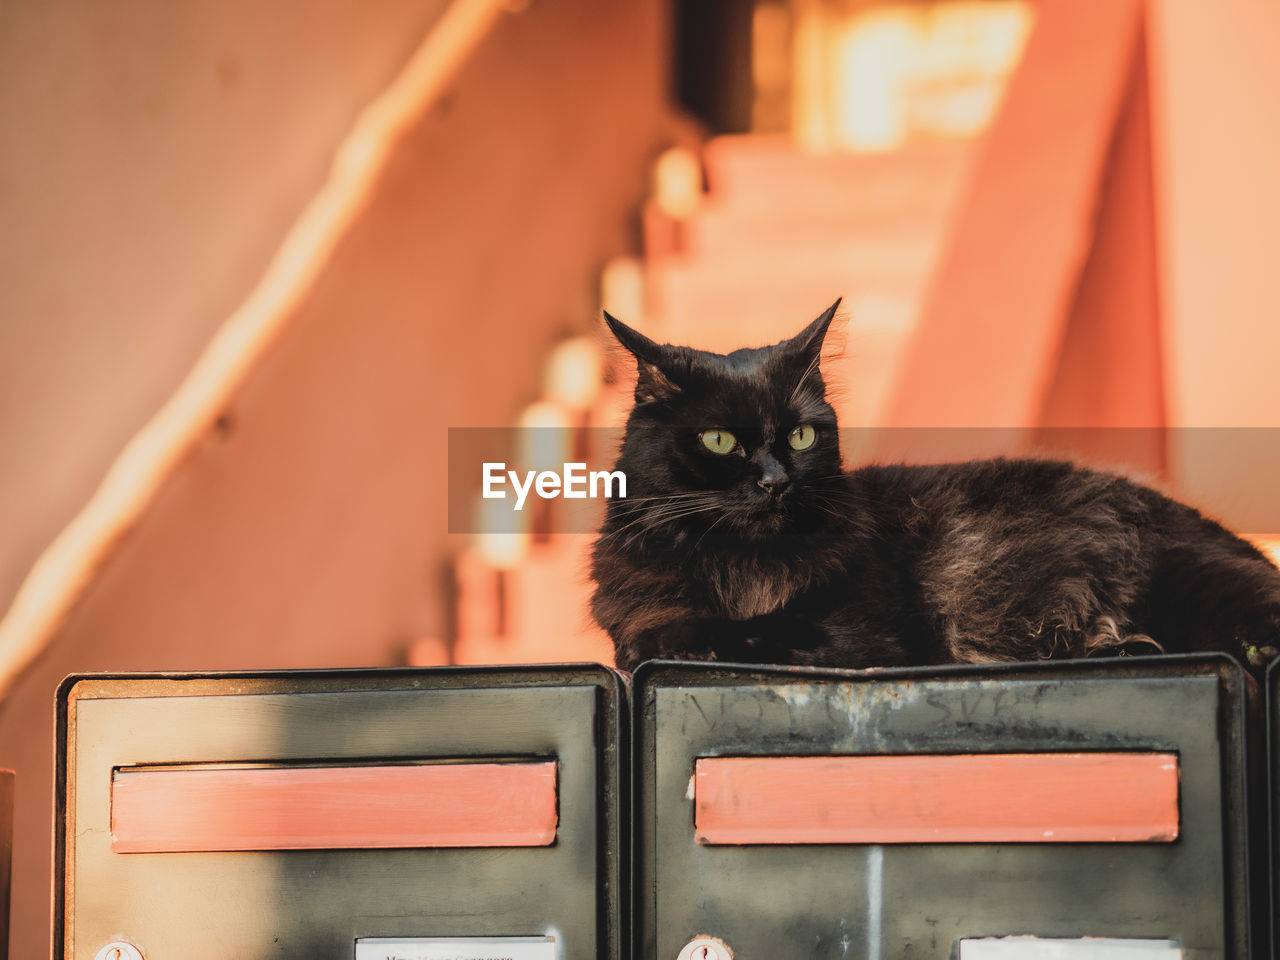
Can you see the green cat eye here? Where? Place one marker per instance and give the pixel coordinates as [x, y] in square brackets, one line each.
[802, 437]
[718, 441]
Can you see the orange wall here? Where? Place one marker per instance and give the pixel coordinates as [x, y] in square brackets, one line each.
[1113, 265]
[153, 156]
[310, 529]
[1215, 72]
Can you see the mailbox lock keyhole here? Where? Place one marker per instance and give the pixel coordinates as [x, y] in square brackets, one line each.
[704, 947]
[119, 950]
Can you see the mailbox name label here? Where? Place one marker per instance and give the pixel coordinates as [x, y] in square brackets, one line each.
[1088, 948]
[438, 948]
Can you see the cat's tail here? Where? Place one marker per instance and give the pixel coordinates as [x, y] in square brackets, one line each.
[1211, 590]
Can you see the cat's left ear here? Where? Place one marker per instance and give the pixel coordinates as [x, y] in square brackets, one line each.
[808, 341]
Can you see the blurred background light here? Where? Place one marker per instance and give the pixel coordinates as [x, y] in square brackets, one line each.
[574, 373]
[622, 288]
[677, 183]
[873, 76]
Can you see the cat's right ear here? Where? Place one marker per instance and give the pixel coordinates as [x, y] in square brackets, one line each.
[651, 382]
[641, 347]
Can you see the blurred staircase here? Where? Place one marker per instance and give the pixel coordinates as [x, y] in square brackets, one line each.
[745, 240]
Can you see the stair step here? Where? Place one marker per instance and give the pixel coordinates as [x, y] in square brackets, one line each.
[766, 173]
[538, 614]
[784, 288]
[721, 228]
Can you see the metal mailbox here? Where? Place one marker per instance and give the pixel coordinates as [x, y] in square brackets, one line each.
[7, 780]
[415, 814]
[1070, 810]
[1273, 801]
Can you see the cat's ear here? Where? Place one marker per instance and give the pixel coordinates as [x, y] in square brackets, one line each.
[651, 382]
[808, 341]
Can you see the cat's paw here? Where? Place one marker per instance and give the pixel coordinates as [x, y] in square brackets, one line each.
[1260, 656]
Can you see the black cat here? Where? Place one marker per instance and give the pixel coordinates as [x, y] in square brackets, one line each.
[742, 539]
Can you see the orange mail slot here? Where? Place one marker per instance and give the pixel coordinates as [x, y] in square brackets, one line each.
[972, 798]
[304, 808]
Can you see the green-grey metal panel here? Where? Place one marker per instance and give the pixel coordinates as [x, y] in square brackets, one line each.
[919, 900]
[316, 903]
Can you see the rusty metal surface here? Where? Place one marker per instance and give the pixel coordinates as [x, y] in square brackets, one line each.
[310, 903]
[919, 900]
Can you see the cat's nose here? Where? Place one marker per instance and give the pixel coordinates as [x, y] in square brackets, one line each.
[774, 483]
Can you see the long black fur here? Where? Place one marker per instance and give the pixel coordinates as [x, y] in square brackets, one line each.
[984, 561]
